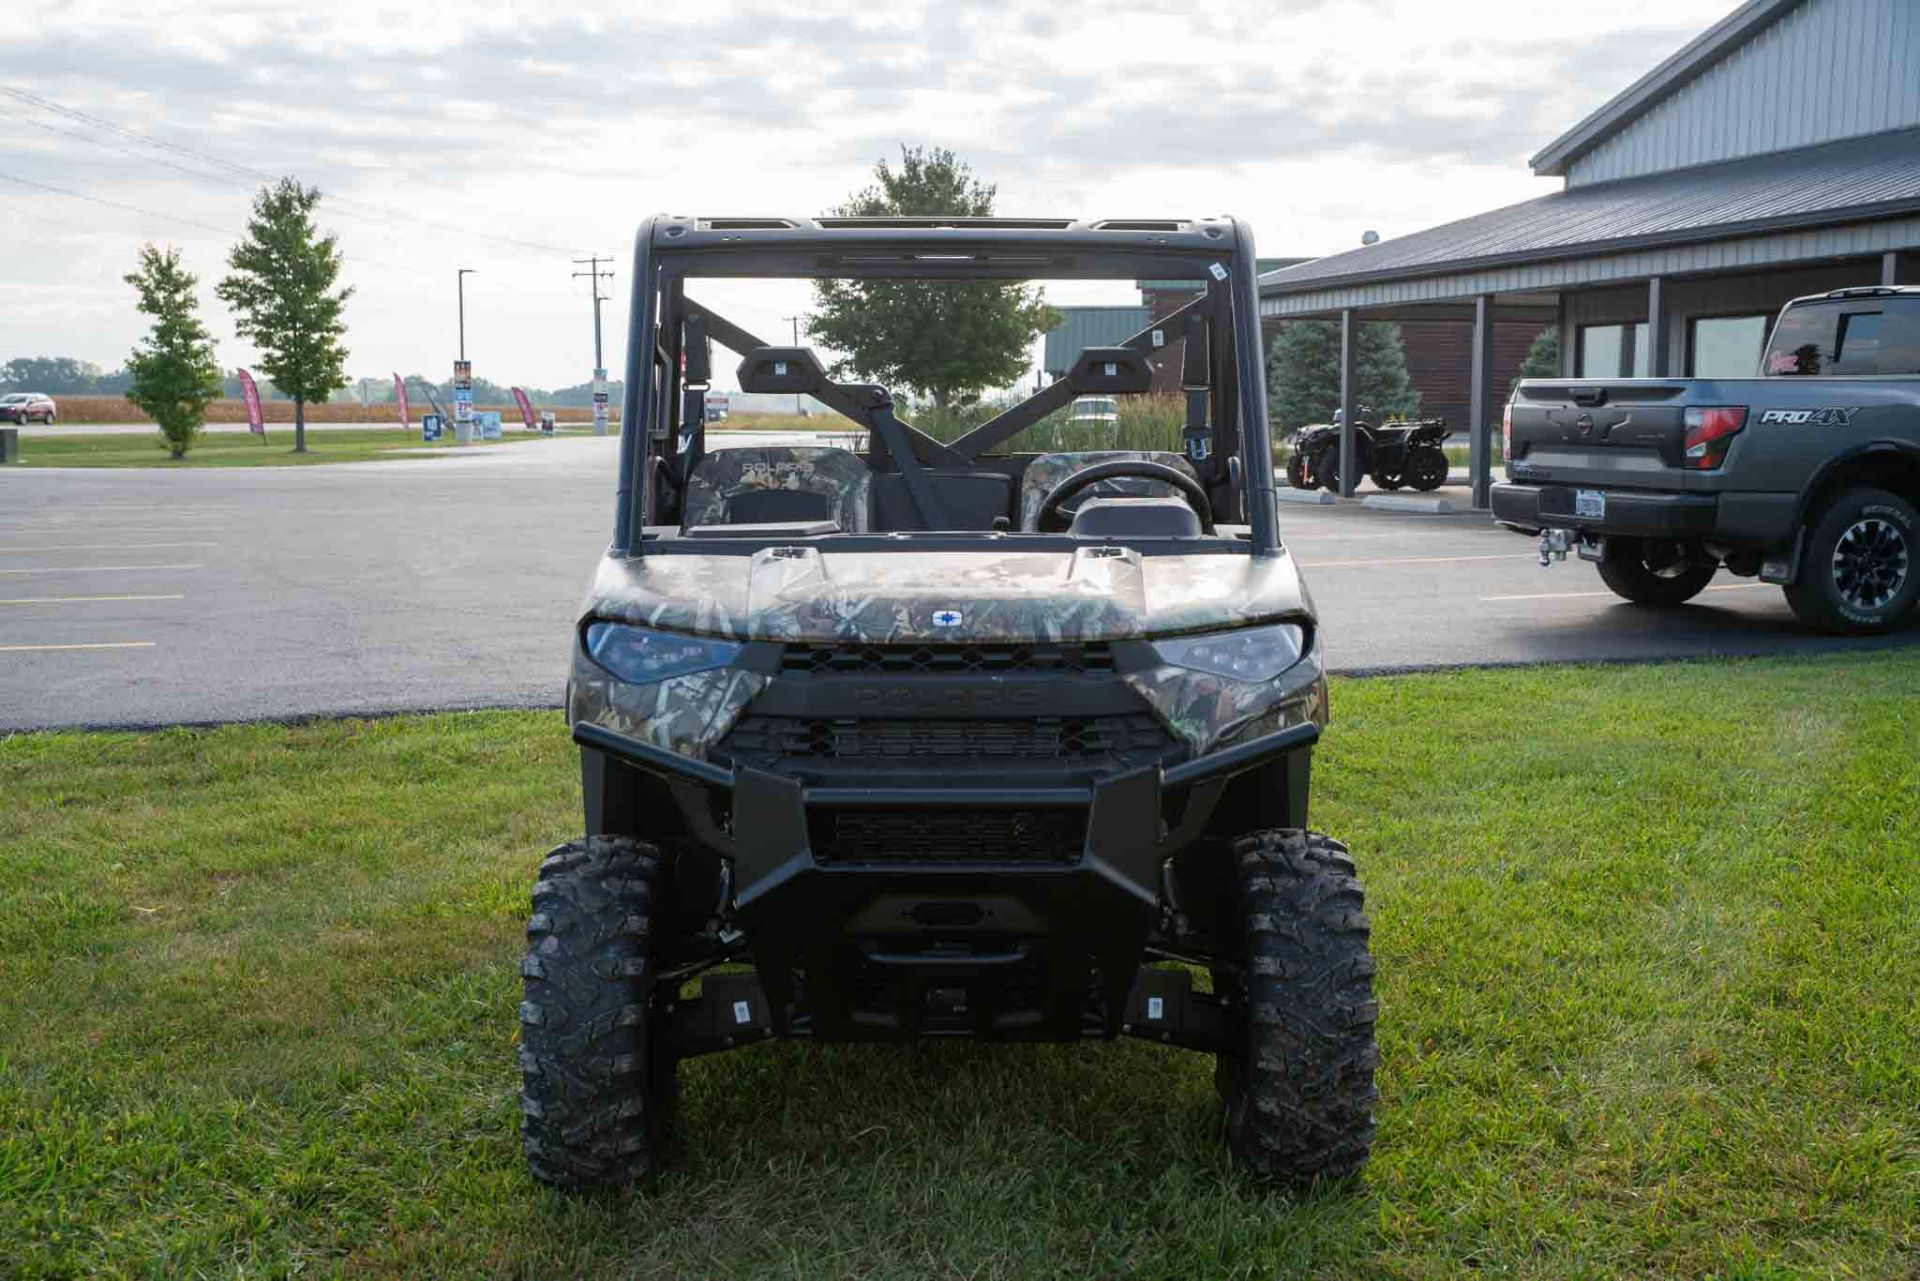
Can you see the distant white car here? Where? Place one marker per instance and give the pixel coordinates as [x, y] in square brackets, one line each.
[1094, 410]
[27, 407]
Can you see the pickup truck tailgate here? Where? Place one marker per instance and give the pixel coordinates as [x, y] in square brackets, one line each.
[1600, 431]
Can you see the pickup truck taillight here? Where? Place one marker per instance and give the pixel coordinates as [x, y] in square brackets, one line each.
[1710, 434]
[1506, 432]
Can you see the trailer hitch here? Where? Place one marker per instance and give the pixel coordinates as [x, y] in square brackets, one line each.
[1554, 544]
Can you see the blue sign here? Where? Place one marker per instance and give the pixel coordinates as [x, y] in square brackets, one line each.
[432, 427]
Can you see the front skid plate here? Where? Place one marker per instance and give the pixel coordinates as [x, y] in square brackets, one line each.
[732, 1010]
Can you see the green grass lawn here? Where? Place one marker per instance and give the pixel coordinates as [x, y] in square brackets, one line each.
[1649, 942]
[239, 449]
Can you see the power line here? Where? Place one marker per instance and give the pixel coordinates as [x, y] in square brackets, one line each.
[115, 204]
[128, 151]
[357, 259]
[352, 207]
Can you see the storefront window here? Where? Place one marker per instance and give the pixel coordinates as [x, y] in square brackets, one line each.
[1725, 346]
[1613, 351]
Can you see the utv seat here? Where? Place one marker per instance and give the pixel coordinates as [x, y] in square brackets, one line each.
[775, 484]
[1046, 472]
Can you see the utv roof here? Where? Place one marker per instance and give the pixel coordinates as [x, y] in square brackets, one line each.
[961, 247]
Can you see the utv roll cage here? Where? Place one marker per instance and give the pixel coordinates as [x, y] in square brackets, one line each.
[663, 429]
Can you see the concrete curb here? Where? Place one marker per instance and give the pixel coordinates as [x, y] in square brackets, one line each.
[1318, 497]
[1425, 504]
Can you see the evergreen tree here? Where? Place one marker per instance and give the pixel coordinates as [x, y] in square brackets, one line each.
[950, 341]
[282, 289]
[1543, 357]
[1303, 374]
[174, 373]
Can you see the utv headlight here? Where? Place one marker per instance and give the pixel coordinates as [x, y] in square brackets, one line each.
[640, 655]
[1251, 654]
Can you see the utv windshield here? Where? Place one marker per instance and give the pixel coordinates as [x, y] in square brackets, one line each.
[1139, 439]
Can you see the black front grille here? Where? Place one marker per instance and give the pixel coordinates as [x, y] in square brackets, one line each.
[1087, 740]
[947, 835]
[917, 660]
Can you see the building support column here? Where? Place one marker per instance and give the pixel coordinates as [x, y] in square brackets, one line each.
[1890, 267]
[1480, 402]
[1349, 454]
[1657, 363]
[1563, 325]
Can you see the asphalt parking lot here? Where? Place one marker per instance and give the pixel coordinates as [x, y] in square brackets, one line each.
[140, 597]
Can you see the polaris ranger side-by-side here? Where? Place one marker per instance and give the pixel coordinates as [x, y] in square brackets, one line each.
[1807, 476]
[944, 739]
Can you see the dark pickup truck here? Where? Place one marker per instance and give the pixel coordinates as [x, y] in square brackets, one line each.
[1807, 475]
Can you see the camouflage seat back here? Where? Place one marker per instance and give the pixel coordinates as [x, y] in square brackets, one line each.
[1046, 472]
[730, 484]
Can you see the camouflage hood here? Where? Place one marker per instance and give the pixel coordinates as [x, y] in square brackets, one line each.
[808, 593]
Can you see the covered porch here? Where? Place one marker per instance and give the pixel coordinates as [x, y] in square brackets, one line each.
[1676, 274]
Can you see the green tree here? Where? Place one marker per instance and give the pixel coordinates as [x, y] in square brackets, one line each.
[948, 340]
[1303, 374]
[174, 373]
[283, 291]
[1543, 357]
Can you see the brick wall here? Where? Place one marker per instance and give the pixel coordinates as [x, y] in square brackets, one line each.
[1440, 363]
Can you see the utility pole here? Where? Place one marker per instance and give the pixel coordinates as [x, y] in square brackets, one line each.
[461, 277]
[462, 371]
[795, 322]
[594, 276]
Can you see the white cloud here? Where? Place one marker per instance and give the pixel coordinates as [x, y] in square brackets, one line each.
[1315, 121]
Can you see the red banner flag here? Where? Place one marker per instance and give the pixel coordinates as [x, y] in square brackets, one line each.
[255, 423]
[400, 402]
[526, 407]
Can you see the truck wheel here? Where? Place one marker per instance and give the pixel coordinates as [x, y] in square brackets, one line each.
[1297, 1081]
[1859, 573]
[1427, 468]
[1297, 470]
[1654, 571]
[1387, 479]
[591, 1071]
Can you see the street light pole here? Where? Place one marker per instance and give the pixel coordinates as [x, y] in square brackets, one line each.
[460, 278]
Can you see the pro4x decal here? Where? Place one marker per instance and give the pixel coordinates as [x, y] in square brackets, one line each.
[1811, 417]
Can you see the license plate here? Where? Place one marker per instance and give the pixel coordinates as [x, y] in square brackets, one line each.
[1590, 504]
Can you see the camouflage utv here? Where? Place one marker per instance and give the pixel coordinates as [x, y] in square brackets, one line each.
[946, 739]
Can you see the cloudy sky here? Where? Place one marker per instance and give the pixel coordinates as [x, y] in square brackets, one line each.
[508, 139]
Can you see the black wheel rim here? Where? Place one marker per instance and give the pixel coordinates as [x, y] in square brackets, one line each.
[1870, 563]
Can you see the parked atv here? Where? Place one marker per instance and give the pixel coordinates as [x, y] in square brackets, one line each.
[1392, 455]
[944, 739]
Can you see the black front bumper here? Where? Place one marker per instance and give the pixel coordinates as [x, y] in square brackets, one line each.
[1028, 948]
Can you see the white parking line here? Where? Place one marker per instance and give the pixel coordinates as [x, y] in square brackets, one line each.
[93, 569]
[101, 547]
[1411, 560]
[78, 600]
[36, 649]
[1718, 587]
[184, 527]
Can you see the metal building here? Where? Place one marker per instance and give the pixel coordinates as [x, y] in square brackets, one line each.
[1776, 154]
[1083, 327]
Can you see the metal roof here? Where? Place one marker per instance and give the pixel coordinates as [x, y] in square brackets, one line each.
[1260, 265]
[1837, 182]
[1083, 327]
[1705, 49]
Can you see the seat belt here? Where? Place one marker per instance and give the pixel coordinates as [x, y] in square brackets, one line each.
[696, 377]
[1196, 438]
[894, 436]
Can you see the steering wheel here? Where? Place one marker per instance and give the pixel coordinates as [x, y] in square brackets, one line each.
[1186, 486]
